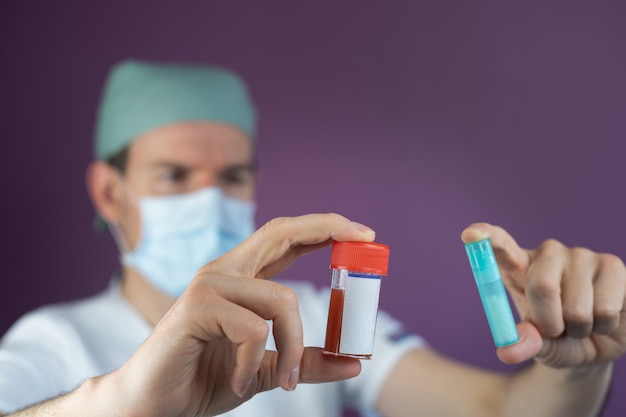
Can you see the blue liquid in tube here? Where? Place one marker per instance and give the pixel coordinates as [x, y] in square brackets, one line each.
[492, 292]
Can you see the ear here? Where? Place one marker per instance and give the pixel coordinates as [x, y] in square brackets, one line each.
[105, 189]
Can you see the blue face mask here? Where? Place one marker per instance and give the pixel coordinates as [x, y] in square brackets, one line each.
[180, 233]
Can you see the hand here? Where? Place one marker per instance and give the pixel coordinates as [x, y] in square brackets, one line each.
[570, 300]
[207, 355]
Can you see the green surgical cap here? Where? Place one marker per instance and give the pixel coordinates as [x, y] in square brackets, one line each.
[140, 96]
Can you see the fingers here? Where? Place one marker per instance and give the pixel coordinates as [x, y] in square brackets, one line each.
[275, 245]
[315, 367]
[224, 303]
[288, 336]
[238, 309]
[572, 300]
[506, 249]
[251, 341]
[574, 292]
[543, 290]
[609, 292]
[562, 291]
[316, 228]
[578, 292]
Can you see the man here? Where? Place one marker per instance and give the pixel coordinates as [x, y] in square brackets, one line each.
[174, 180]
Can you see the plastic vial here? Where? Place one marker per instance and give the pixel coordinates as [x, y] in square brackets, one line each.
[492, 292]
[357, 268]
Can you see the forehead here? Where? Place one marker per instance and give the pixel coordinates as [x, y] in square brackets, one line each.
[192, 143]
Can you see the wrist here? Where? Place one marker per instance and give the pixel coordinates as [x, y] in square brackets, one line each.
[582, 373]
[98, 395]
[594, 370]
[91, 398]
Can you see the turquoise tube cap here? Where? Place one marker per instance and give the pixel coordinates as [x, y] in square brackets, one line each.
[140, 96]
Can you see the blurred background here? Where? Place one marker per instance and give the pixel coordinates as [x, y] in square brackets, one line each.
[416, 118]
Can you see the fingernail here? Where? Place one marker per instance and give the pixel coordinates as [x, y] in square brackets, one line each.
[244, 388]
[294, 377]
[477, 227]
[363, 229]
[476, 232]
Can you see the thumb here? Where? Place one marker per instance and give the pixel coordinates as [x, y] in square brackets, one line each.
[315, 367]
[529, 345]
[275, 245]
[509, 254]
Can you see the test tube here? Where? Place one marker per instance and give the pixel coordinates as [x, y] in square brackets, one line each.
[492, 292]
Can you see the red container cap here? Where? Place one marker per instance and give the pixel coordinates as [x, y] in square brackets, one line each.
[360, 256]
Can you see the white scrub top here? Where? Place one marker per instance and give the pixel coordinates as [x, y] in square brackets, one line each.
[55, 348]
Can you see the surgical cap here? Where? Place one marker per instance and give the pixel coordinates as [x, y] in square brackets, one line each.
[140, 96]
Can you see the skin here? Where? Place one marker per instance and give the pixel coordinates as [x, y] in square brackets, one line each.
[207, 354]
[571, 302]
[174, 159]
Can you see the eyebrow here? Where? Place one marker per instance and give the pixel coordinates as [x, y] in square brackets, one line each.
[168, 164]
[249, 166]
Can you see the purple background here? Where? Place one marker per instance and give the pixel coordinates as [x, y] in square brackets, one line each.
[416, 118]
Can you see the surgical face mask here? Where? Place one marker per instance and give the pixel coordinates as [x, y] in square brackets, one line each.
[180, 233]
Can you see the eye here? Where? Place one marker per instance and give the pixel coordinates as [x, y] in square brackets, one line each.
[237, 175]
[176, 174]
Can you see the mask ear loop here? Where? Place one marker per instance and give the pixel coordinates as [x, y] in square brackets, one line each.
[114, 228]
[118, 238]
[122, 246]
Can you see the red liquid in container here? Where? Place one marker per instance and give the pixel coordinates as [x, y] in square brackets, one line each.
[333, 327]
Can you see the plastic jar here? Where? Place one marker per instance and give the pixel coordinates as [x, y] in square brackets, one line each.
[357, 269]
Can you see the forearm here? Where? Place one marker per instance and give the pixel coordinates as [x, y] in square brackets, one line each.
[543, 391]
[91, 398]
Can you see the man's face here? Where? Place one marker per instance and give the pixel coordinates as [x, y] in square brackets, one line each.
[185, 157]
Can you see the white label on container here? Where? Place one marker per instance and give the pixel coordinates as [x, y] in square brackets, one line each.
[359, 314]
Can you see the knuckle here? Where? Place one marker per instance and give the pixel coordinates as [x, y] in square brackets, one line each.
[582, 253]
[543, 287]
[275, 223]
[203, 285]
[276, 227]
[334, 216]
[611, 262]
[551, 327]
[200, 294]
[605, 313]
[550, 246]
[286, 297]
[577, 315]
[258, 330]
